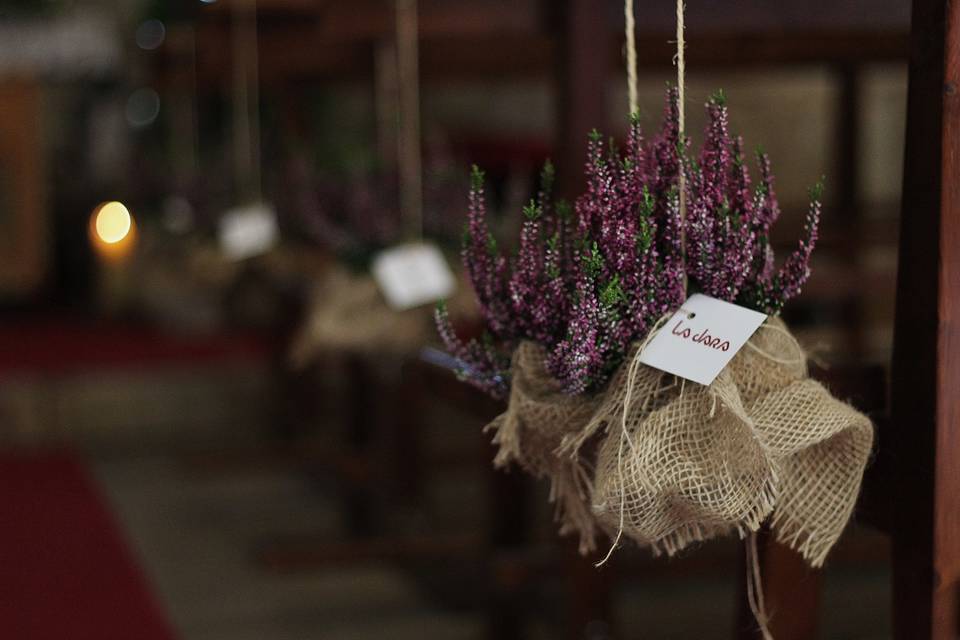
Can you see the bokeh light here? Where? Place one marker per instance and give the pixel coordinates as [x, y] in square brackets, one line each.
[113, 231]
[112, 222]
[143, 107]
[150, 34]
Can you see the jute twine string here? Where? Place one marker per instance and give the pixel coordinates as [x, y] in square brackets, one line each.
[624, 432]
[755, 587]
[754, 583]
[409, 153]
[682, 126]
[631, 56]
[764, 441]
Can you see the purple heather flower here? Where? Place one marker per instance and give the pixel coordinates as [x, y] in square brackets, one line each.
[577, 359]
[481, 363]
[527, 276]
[771, 294]
[589, 281]
[719, 207]
[728, 229]
[766, 211]
[485, 266]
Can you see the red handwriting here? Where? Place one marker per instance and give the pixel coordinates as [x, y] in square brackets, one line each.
[703, 337]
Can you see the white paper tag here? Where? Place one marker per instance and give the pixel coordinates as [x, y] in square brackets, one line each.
[413, 274]
[248, 231]
[701, 338]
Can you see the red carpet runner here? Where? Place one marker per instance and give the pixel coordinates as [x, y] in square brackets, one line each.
[65, 570]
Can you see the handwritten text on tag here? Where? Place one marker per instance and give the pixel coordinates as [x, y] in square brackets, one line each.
[701, 338]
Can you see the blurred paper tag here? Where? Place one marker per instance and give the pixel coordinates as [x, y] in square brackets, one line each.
[248, 231]
[413, 274]
[701, 338]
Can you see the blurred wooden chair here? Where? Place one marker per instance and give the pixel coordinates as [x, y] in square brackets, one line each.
[912, 490]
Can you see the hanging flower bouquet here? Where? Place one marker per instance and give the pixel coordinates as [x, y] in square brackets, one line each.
[630, 449]
[353, 220]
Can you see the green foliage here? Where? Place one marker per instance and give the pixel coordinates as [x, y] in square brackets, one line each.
[492, 248]
[612, 294]
[816, 191]
[532, 211]
[548, 176]
[593, 261]
[477, 177]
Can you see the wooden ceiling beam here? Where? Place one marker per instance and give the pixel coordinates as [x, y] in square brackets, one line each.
[297, 53]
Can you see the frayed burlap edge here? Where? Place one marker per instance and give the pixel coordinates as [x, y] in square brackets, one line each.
[817, 448]
[530, 433]
[785, 417]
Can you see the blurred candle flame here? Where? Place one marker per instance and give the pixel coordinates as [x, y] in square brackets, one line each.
[112, 230]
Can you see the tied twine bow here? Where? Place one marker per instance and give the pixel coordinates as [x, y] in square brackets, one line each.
[754, 582]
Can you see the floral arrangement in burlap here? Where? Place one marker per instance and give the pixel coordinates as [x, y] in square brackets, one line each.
[347, 312]
[630, 450]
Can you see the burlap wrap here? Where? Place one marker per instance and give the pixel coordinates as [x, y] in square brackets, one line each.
[538, 419]
[348, 312]
[688, 462]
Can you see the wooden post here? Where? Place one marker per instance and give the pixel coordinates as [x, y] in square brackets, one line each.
[848, 135]
[926, 360]
[357, 497]
[410, 158]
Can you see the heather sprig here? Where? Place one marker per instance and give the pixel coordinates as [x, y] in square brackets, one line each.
[538, 305]
[719, 228]
[729, 255]
[481, 362]
[771, 291]
[486, 267]
[629, 269]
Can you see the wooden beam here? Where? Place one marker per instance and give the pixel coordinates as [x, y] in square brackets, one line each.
[301, 50]
[368, 20]
[847, 148]
[926, 359]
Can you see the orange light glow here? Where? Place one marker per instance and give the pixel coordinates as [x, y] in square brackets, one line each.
[112, 230]
[112, 222]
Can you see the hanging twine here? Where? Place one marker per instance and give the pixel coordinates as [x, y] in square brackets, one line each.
[630, 27]
[754, 578]
[409, 152]
[625, 434]
[755, 587]
[246, 101]
[681, 65]
[631, 56]
[681, 121]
